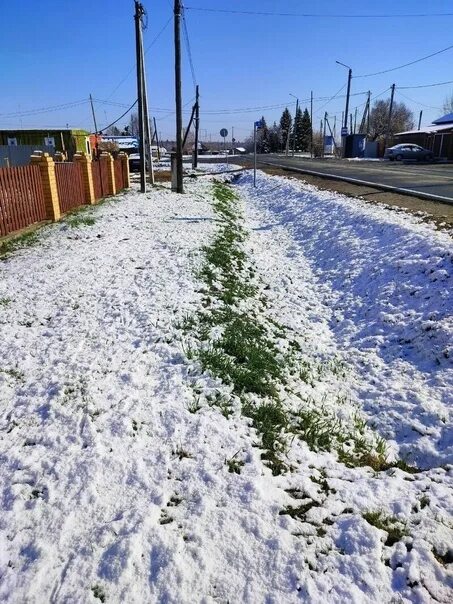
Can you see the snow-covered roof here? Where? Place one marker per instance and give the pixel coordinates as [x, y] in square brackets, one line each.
[445, 119]
[427, 130]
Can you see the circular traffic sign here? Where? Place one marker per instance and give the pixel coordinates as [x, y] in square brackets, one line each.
[224, 132]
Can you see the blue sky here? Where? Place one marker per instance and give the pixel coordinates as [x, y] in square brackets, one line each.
[59, 51]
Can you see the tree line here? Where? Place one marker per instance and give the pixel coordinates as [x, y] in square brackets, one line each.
[298, 133]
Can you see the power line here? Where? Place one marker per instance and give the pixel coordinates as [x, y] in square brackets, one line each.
[316, 15]
[418, 102]
[424, 85]
[118, 119]
[146, 50]
[331, 99]
[438, 52]
[189, 52]
[48, 109]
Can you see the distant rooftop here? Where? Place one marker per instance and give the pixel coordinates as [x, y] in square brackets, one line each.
[428, 129]
[446, 119]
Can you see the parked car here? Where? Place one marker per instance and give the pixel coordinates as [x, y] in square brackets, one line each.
[406, 151]
[134, 162]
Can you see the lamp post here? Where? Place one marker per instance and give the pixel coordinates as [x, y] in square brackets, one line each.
[345, 124]
[295, 116]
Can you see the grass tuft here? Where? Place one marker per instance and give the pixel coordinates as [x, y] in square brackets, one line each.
[17, 243]
[394, 528]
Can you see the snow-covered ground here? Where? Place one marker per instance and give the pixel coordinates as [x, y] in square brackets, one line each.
[115, 482]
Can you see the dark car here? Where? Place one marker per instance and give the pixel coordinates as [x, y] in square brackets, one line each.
[134, 162]
[406, 151]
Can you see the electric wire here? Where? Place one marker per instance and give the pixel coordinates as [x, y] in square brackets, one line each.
[146, 50]
[331, 99]
[417, 102]
[438, 52]
[118, 119]
[424, 85]
[48, 109]
[317, 15]
[189, 52]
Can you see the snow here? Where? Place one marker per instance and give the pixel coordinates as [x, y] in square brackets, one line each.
[111, 482]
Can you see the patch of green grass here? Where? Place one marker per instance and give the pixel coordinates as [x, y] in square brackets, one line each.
[239, 346]
[5, 301]
[394, 528]
[17, 243]
[17, 374]
[78, 220]
[300, 511]
[234, 464]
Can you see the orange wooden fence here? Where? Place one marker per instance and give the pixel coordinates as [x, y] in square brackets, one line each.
[21, 198]
[28, 194]
[69, 185]
[99, 170]
[119, 176]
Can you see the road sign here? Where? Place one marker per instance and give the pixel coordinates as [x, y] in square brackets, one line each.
[224, 132]
[344, 132]
[259, 124]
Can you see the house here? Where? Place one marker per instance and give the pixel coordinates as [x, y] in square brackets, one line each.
[67, 140]
[437, 137]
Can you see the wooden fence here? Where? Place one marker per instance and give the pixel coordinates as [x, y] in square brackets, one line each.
[99, 170]
[119, 177]
[69, 185]
[21, 198]
[45, 190]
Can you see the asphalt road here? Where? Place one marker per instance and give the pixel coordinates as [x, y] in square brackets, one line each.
[430, 179]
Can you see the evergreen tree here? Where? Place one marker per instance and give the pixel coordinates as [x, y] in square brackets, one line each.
[274, 138]
[285, 127]
[262, 135]
[305, 131]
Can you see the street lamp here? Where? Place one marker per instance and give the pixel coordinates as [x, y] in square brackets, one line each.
[345, 125]
[294, 129]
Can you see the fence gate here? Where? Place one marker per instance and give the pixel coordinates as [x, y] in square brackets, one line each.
[21, 198]
[69, 185]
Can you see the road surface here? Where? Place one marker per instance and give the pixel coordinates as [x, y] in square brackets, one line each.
[426, 179]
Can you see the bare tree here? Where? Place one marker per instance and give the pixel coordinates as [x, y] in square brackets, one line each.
[110, 147]
[447, 107]
[402, 119]
[133, 125]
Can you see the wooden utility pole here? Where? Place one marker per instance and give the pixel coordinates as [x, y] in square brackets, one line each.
[139, 12]
[311, 124]
[324, 135]
[96, 144]
[197, 126]
[148, 152]
[178, 98]
[420, 119]
[389, 123]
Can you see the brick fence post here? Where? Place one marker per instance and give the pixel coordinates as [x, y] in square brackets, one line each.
[125, 167]
[49, 185]
[87, 176]
[108, 159]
